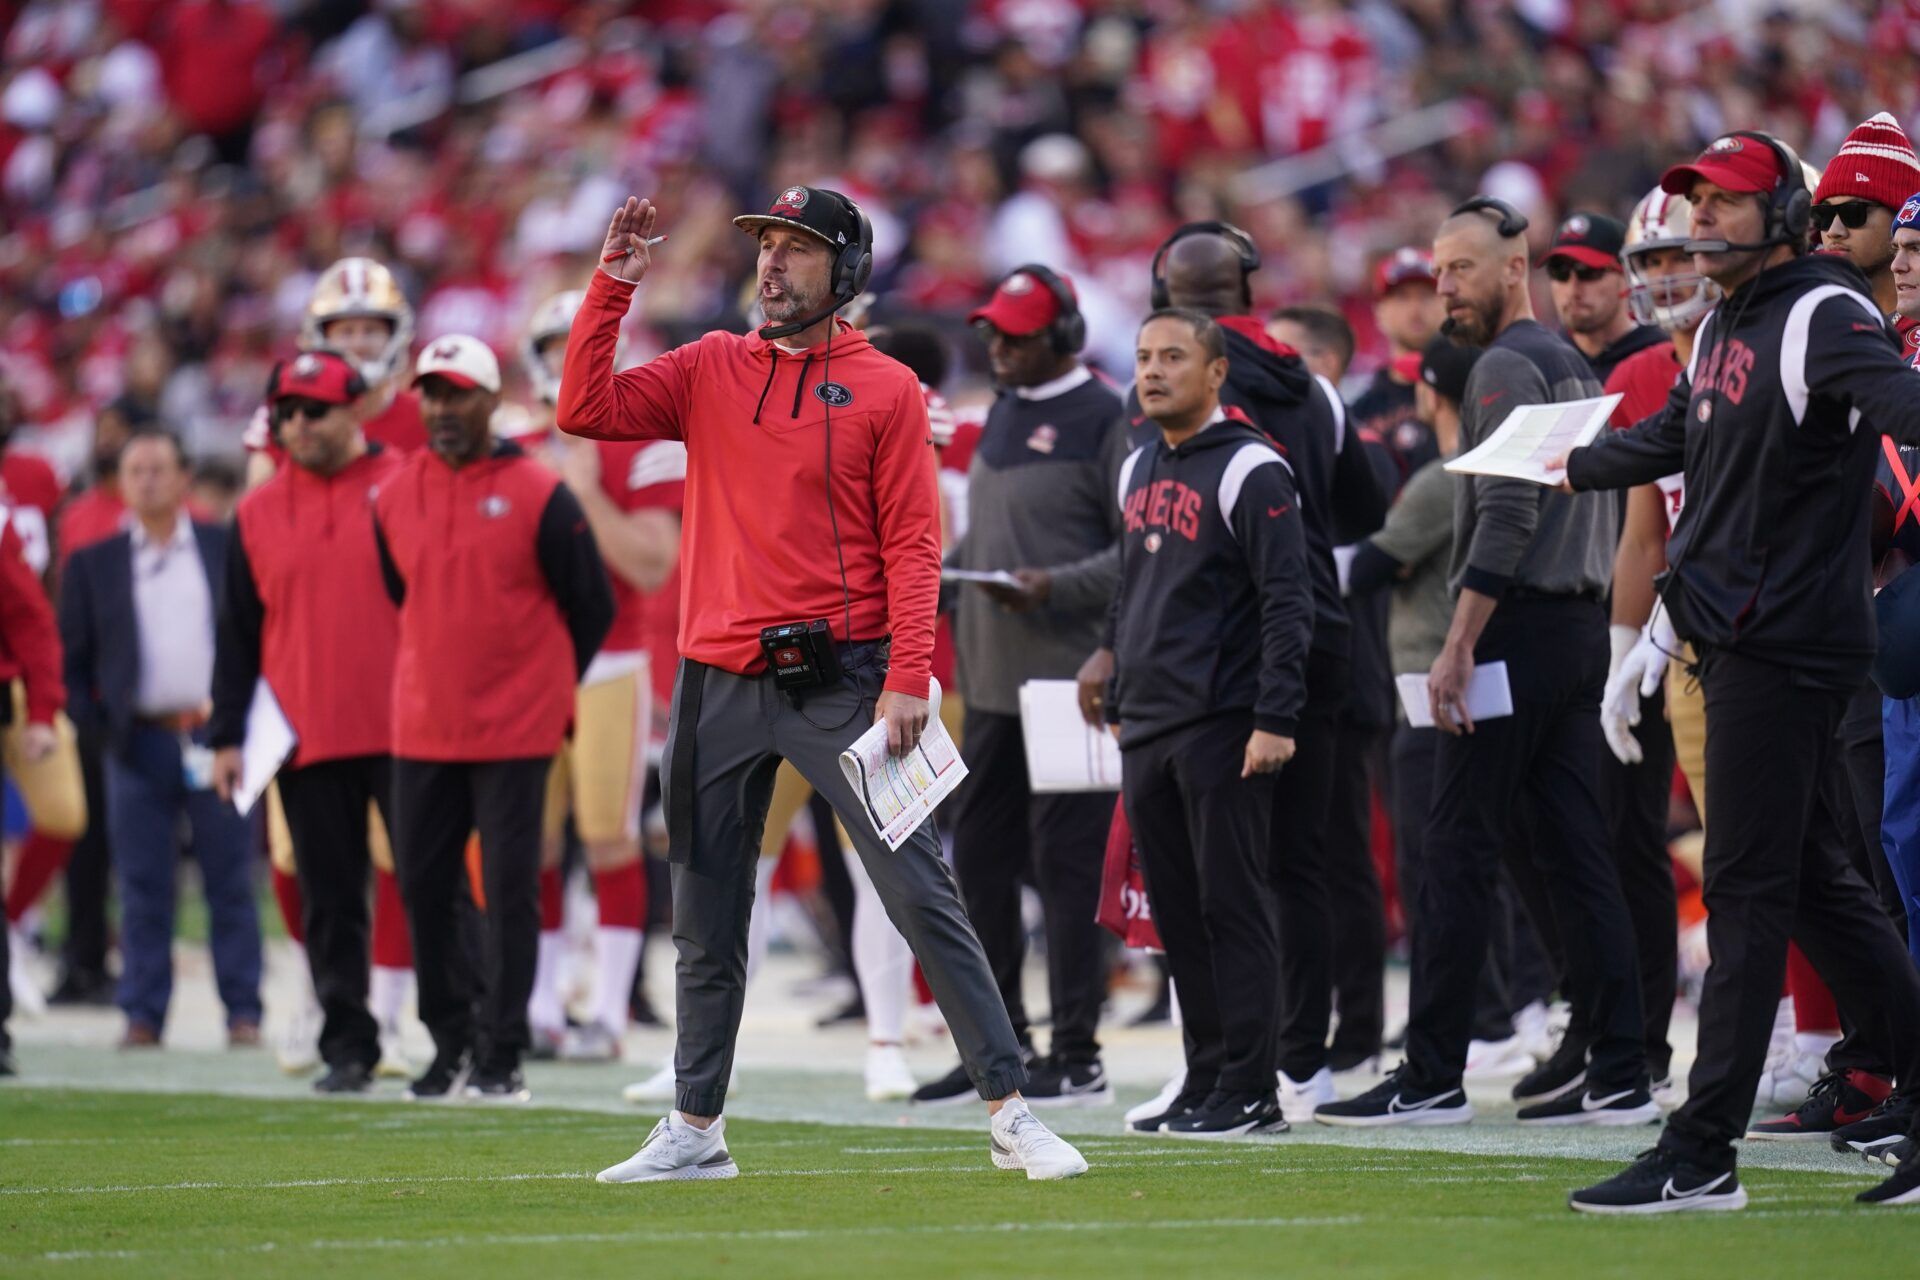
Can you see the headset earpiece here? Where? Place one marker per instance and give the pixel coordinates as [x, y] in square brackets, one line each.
[853, 263]
[1067, 331]
[1249, 257]
[1790, 204]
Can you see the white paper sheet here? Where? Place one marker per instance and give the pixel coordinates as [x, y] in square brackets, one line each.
[992, 577]
[1533, 436]
[898, 793]
[1064, 752]
[269, 744]
[1489, 696]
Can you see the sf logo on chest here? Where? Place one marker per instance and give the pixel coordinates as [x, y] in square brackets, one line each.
[493, 506]
[832, 394]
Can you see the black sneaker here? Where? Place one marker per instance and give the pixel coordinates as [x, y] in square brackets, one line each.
[1661, 1182]
[640, 1009]
[498, 1084]
[954, 1087]
[1895, 1154]
[1184, 1104]
[1888, 1124]
[1229, 1115]
[1561, 1074]
[1395, 1101]
[83, 988]
[1835, 1101]
[1068, 1084]
[441, 1082]
[854, 1010]
[7, 1064]
[1902, 1188]
[345, 1077]
[1580, 1106]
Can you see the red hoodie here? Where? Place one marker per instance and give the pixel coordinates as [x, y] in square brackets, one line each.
[29, 640]
[757, 547]
[303, 604]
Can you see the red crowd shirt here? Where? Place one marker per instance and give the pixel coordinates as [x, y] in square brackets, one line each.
[29, 640]
[757, 539]
[92, 516]
[641, 475]
[1643, 380]
[307, 602]
[31, 492]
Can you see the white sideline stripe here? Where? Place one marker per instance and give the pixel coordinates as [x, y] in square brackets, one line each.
[289, 1185]
[832, 1233]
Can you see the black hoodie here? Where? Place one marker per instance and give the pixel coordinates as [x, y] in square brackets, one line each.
[1214, 613]
[1341, 499]
[1775, 424]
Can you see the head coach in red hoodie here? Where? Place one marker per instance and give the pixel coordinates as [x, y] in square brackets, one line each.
[302, 607]
[503, 603]
[811, 499]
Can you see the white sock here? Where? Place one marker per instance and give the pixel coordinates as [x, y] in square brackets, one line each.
[387, 993]
[882, 958]
[617, 954]
[544, 1010]
[1173, 1004]
[760, 923]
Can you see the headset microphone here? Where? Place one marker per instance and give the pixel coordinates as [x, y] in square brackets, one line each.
[1728, 246]
[773, 332]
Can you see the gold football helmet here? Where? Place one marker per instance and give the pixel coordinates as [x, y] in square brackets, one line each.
[361, 287]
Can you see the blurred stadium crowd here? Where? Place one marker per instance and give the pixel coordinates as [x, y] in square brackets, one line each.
[173, 176]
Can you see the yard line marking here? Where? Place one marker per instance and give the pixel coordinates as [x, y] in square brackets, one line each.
[289, 1185]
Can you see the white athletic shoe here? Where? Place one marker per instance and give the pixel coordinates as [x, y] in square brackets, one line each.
[393, 1064]
[677, 1152]
[594, 1042]
[1495, 1059]
[661, 1086]
[888, 1077]
[1160, 1101]
[297, 1047]
[1019, 1141]
[29, 1001]
[1788, 1077]
[1533, 1028]
[1300, 1097]
[1666, 1094]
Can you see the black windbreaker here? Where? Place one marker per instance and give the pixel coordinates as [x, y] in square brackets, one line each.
[1214, 612]
[1776, 425]
[1341, 499]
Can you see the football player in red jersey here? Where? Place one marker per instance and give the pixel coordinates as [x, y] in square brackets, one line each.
[358, 309]
[631, 493]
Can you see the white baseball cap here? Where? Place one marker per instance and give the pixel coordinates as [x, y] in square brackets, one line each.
[461, 360]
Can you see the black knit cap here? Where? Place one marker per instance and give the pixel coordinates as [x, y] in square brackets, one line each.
[1444, 366]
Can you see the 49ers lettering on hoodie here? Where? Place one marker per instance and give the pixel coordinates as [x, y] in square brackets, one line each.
[503, 603]
[757, 544]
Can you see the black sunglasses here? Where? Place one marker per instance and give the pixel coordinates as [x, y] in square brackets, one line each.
[1561, 270]
[291, 407]
[1853, 214]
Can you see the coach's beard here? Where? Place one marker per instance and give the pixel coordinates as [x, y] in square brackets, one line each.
[787, 305]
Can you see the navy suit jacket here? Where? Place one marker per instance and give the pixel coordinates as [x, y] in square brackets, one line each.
[100, 630]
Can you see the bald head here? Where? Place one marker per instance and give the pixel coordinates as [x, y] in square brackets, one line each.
[1481, 229]
[1203, 273]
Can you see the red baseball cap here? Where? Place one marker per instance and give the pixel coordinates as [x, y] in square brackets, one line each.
[1022, 305]
[1402, 266]
[1738, 164]
[326, 376]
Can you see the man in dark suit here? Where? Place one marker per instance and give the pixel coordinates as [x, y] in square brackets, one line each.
[137, 623]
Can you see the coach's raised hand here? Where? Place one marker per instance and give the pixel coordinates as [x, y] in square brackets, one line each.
[626, 254]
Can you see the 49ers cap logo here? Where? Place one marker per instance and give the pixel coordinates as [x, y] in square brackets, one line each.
[307, 366]
[792, 200]
[1727, 145]
[832, 393]
[1575, 227]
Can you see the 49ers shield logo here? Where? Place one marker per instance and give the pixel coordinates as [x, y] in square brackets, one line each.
[792, 200]
[493, 506]
[832, 393]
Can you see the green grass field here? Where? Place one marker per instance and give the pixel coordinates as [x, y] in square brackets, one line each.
[150, 1185]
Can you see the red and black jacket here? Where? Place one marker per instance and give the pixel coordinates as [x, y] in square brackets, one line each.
[303, 604]
[29, 638]
[503, 603]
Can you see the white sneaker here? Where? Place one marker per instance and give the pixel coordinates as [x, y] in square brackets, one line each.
[1784, 1079]
[594, 1042]
[1300, 1097]
[1020, 1141]
[1493, 1059]
[1666, 1094]
[677, 1152]
[888, 1077]
[297, 1047]
[1534, 1030]
[662, 1086]
[393, 1064]
[1160, 1101]
[29, 1001]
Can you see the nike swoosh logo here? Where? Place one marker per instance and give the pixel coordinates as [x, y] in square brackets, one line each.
[1250, 1108]
[1487, 400]
[1591, 1103]
[1394, 1107]
[1671, 1192]
[1280, 510]
[1843, 1116]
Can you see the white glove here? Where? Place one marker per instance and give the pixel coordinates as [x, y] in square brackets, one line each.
[1635, 676]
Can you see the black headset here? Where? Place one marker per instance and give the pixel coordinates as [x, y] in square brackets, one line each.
[1249, 256]
[1790, 204]
[1067, 331]
[1512, 221]
[853, 261]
